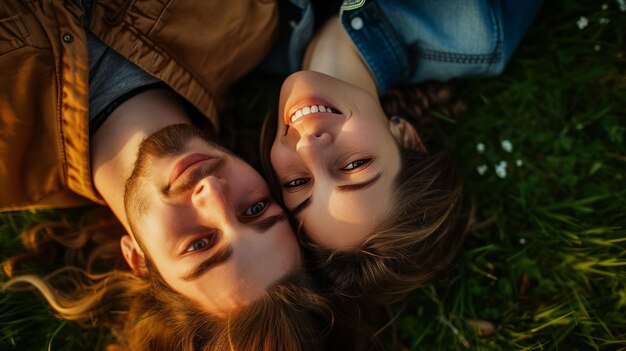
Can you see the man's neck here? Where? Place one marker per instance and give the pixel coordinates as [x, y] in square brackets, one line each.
[332, 52]
[114, 146]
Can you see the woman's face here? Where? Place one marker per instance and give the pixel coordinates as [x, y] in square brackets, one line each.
[335, 158]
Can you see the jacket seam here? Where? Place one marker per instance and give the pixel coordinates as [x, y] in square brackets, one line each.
[160, 52]
[158, 20]
[59, 75]
[461, 58]
[34, 202]
[392, 47]
[496, 6]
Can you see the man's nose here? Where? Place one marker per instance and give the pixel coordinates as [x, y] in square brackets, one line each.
[210, 196]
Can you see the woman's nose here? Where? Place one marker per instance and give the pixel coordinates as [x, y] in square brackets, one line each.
[315, 139]
[311, 147]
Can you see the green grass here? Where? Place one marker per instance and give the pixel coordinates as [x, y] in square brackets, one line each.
[549, 269]
[26, 323]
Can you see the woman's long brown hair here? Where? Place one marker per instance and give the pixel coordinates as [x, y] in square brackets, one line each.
[420, 238]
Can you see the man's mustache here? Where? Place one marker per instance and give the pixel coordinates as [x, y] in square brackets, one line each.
[190, 179]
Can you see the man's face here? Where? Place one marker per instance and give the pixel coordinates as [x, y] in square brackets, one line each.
[207, 220]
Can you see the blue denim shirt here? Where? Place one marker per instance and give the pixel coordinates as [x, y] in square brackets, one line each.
[409, 41]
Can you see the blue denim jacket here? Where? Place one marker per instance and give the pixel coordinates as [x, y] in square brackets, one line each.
[409, 41]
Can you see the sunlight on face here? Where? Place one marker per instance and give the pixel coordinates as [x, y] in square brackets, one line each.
[208, 222]
[335, 158]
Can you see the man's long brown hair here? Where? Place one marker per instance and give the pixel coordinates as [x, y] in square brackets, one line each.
[143, 312]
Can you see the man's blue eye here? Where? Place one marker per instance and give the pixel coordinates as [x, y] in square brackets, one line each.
[198, 244]
[256, 209]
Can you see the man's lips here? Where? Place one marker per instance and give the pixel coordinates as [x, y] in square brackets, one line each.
[185, 163]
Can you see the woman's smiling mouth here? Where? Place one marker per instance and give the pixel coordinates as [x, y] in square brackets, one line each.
[306, 110]
[308, 107]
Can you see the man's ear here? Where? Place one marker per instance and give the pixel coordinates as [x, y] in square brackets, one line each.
[405, 134]
[133, 255]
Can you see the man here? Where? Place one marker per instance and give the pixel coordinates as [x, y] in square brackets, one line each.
[203, 217]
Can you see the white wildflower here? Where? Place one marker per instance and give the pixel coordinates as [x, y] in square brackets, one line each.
[480, 148]
[501, 172]
[501, 169]
[507, 145]
[482, 169]
[579, 126]
[519, 162]
[605, 6]
[597, 48]
[622, 5]
[522, 241]
[604, 20]
[582, 22]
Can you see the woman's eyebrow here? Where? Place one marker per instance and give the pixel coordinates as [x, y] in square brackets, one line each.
[359, 186]
[341, 188]
[221, 255]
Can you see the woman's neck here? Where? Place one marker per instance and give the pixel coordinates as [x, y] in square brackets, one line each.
[332, 52]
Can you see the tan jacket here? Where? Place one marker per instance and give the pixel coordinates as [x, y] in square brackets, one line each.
[197, 47]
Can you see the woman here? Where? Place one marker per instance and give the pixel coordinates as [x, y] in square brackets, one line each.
[381, 213]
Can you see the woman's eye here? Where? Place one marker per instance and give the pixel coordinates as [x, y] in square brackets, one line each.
[256, 209]
[355, 164]
[296, 182]
[198, 244]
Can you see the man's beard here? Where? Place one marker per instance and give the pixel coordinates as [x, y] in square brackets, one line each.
[168, 141]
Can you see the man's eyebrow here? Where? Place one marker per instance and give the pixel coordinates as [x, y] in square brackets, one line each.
[304, 204]
[267, 223]
[221, 255]
[359, 186]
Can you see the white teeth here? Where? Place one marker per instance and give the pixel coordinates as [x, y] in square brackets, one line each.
[311, 109]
